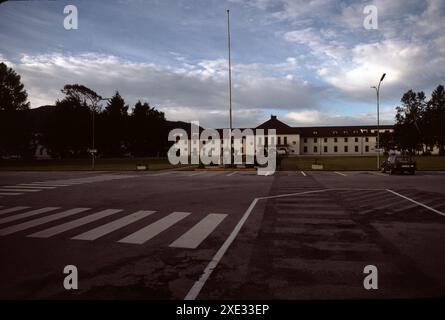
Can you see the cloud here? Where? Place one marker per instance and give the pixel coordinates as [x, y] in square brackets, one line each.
[198, 90]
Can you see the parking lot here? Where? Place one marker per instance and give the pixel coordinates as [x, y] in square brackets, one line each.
[222, 234]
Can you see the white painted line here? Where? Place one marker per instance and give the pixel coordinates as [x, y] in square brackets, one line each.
[29, 187]
[112, 226]
[18, 190]
[13, 209]
[161, 174]
[73, 224]
[44, 185]
[28, 214]
[232, 173]
[143, 235]
[9, 193]
[378, 173]
[303, 173]
[417, 202]
[199, 232]
[342, 174]
[195, 174]
[40, 221]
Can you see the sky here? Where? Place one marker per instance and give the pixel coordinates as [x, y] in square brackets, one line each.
[310, 63]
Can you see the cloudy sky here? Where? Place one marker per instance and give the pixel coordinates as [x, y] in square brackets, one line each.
[309, 62]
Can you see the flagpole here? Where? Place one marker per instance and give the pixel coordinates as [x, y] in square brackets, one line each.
[230, 85]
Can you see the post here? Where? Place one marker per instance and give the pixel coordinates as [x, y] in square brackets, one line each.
[230, 87]
[378, 128]
[92, 150]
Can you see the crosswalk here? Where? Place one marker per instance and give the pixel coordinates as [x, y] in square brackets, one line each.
[25, 220]
[29, 188]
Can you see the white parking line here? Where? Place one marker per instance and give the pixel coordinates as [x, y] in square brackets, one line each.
[417, 202]
[143, 235]
[113, 226]
[195, 174]
[28, 214]
[4, 211]
[199, 232]
[18, 190]
[40, 221]
[10, 193]
[161, 174]
[231, 174]
[342, 174]
[303, 173]
[378, 173]
[29, 187]
[73, 224]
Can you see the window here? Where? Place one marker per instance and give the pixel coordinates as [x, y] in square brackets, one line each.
[346, 148]
[305, 140]
[279, 140]
[315, 132]
[335, 149]
[305, 149]
[346, 139]
[315, 149]
[366, 148]
[335, 139]
[356, 139]
[285, 140]
[325, 149]
[356, 148]
[367, 139]
[325, 139]
[315, 140]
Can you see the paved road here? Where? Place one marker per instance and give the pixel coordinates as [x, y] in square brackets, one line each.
[153, 235]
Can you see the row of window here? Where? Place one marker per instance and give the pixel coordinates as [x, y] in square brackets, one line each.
[335, 139]
[325, 149]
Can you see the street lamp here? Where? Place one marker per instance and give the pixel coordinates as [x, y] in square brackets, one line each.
[93, 150]
[377, 89]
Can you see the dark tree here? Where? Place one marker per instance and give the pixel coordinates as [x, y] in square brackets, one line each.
[12, 93]
[409, 130]
[435, 118]
[15, 133]
[113, 127]
[148, 130]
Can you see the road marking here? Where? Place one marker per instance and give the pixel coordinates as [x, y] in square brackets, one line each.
[112, 226]
[417, 202]
[143, 235]
[45, 185]
[10, 193]
[73, 224]
[231, 174]
[195, 174]
[342, 174]
[28, 214]
[161, 174]
[303, 173]
[378, 173]
[199, 232]
[40, 221]
[13, 209]
[18, 190]
[29, 187]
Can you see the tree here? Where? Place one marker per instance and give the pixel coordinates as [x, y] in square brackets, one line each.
[13, 96]
[71, 131]
[409, 130]
[148, 130]
[113, 127]
[15, 133]
[435, 115]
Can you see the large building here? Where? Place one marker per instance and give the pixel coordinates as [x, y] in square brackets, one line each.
[325, 140]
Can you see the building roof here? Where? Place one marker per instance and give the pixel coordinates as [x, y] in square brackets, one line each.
[340, 131]
[280, 127]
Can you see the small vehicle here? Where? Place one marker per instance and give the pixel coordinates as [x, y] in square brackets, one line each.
[399, 163]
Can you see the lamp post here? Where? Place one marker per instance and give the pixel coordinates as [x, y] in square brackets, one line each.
[230, 86]
[377, 89]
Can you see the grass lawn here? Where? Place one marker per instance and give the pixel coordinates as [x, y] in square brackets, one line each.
[355, 163]
[106, 164]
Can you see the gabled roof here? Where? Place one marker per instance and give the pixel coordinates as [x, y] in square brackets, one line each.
[280, 127]
[340, 131]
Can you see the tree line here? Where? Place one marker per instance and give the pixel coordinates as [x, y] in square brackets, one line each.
[83, 120]
[76, 124]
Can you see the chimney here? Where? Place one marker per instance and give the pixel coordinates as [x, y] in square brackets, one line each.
[272, 117]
